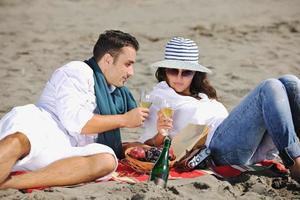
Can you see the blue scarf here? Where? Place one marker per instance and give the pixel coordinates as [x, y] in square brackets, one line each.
[119, 101]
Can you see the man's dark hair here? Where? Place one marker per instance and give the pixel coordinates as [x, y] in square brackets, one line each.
[200, 83]
[111, 41]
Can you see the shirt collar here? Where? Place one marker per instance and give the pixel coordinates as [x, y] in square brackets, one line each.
[111, 88]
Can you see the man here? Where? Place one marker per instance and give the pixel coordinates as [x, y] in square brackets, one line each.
[54, 140]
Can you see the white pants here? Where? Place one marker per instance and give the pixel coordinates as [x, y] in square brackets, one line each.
[48, 141]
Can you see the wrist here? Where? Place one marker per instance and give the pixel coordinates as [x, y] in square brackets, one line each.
[163, 132]
[122, 119]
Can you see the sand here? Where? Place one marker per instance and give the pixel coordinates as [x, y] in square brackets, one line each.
[242, 42]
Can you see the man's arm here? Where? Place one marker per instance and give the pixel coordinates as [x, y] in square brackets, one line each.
[102, 123]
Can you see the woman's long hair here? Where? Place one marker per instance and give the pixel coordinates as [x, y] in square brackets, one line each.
[200, 83]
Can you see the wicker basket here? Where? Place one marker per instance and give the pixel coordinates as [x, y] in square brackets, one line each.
[141, 166]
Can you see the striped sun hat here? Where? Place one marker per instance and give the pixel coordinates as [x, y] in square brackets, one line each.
[181, 53]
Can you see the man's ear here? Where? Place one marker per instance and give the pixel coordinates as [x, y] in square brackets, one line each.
[108, 59]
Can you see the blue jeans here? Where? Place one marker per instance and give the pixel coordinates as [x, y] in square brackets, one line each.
[267, 120]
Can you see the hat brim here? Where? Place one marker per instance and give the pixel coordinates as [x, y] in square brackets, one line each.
[178, 64]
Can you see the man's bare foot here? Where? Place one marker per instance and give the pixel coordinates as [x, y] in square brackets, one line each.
[295, 170]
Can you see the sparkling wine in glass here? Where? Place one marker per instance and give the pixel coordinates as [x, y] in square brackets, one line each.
[145, 99]
[167, 109]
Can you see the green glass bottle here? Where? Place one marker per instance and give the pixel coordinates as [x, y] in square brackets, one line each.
[160, 171]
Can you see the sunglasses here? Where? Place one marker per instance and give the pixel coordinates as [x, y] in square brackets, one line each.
[175, 72]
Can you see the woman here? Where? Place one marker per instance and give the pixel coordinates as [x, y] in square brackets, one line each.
[265, 122]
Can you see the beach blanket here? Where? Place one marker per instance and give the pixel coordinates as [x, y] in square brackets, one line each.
[127, 174]
[266, 167]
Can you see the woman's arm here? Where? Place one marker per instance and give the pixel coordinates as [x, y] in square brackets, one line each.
[156, 141]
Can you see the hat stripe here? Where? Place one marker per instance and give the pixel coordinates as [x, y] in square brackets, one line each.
[185, 53]
[183, 58]
[181, 51]
[180, 43]
[182, 55]
[181, 46]
[180, 39]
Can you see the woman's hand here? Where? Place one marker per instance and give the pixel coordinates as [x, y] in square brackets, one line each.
[164, 123]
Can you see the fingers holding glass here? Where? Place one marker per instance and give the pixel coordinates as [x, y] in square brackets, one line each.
[164, 127]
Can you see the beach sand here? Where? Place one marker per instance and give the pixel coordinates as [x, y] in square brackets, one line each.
[242, 42]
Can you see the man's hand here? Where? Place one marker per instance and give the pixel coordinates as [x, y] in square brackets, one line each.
[101, 123]
[136, 117]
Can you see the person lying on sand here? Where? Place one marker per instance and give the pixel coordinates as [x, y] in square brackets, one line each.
[267, 120]
[54, 139]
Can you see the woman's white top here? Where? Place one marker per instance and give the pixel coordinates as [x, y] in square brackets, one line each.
[186, 110]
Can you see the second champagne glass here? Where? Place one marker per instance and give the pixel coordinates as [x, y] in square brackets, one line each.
[167, 108]
[168, 111]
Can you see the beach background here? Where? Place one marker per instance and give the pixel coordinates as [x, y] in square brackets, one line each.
[242, 42]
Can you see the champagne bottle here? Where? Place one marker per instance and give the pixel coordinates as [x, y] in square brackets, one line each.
[160, 171]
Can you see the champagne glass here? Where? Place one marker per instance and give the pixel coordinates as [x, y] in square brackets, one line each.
[145, 99]
[168, 111]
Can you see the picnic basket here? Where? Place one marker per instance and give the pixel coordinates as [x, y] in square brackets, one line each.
[141, 166]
